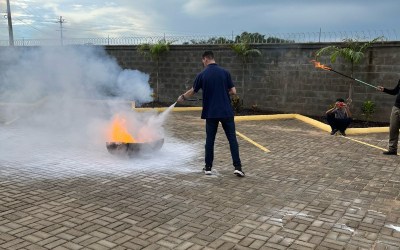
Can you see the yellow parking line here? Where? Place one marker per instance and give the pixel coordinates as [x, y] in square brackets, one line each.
[370, 145]
[252, 142]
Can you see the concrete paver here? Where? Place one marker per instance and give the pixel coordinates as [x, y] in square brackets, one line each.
[311, 191]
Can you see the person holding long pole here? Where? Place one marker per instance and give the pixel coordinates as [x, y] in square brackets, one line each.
[394, 119]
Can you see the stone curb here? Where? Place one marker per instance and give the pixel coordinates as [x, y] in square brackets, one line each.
[308, 120]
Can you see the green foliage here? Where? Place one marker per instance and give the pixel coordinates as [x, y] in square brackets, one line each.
[153, 95]
[212, 40]
[244, 51]
[368, 110]
[155, 50]
[254, 107]
[236, 104]
[246, 37]
[272, 39]
[352, 51]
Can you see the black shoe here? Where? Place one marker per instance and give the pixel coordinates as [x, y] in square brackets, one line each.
[334, 131]
[239, 172]
[390, 152]
[207, 171]
[343, 133]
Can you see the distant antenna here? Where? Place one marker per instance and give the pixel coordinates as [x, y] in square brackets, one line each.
[61, 21]
[10, 29]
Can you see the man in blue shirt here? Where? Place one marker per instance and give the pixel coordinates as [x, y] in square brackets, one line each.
[217, 86]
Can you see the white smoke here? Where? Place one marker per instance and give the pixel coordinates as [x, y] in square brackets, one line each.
[74, 72]
[130, 84]
[68, 92]
[147, 127]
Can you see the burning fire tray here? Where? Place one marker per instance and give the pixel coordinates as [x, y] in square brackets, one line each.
[130, 149]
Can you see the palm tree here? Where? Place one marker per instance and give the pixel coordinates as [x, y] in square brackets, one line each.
[352, 51]
[244, 52]
[155, 51]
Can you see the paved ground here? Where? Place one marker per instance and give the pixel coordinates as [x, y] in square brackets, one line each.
[312, 191]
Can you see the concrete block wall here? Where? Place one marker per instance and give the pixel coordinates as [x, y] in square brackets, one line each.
[282, 79]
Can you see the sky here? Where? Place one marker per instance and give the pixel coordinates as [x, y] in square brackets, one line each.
[40, 19]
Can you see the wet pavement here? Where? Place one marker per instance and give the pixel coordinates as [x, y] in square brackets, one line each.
[311, 191]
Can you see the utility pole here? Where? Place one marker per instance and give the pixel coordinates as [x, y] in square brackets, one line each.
[10, 29]
[61, 21]
[319, 39]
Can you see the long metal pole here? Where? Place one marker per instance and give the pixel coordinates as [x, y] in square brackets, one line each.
[354, 79]
[319, 65]
[10, 29]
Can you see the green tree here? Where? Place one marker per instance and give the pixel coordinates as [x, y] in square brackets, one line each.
[212, 40]
[352, 51]
[273, 39]
[244, 52]
[259, 38]
[155, 51]
[251, 38]
[247, 37]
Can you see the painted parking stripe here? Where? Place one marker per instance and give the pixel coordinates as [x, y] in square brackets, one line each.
[252, 142]
[370, 145]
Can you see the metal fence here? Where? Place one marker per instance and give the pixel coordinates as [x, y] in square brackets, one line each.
[273, 38]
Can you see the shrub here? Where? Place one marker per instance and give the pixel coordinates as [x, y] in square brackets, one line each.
[368, 110]
[236, 103]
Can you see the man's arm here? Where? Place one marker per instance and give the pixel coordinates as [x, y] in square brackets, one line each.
[394, 91]
[186, 95]
[330, 110]
[346, 108]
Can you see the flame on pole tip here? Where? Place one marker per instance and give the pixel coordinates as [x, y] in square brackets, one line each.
[320, 65]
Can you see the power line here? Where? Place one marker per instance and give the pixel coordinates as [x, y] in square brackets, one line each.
[26, 10]
[33, 27]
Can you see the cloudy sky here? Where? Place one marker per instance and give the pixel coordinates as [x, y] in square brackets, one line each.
[38, 19]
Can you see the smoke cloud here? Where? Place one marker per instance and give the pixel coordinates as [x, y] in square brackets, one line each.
[69, 93]
[28, 74]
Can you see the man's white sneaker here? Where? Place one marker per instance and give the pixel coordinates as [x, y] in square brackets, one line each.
[206, 171]
[239, 173]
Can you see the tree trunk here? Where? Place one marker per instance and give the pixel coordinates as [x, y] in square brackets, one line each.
[157, 83]
[351, 90]
[351, 87]
[243, 77]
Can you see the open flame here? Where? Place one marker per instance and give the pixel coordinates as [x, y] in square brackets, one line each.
[119, 132]
[320, 65]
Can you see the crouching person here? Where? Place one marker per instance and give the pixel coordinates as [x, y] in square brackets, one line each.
[339, 117]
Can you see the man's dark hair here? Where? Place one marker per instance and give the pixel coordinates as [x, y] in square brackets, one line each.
[340, 100]
[208, 54]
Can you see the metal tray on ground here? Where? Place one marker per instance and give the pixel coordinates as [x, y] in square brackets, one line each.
[130, 149]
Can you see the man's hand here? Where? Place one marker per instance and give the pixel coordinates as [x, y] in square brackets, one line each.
[380, 88]
[181, 98]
